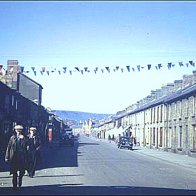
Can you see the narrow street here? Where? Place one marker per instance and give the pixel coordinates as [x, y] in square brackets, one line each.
[93, 167]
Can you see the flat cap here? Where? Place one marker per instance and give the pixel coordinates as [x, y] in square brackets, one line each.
[32, 129]
[18, 127]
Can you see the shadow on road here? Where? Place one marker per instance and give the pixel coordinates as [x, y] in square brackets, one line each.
[55, 155]
[78, 189]
[82, 144]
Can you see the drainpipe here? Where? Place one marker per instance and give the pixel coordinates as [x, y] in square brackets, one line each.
[167, 126]
[144, 127]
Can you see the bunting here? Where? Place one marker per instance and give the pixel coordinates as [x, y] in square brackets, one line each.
[128, 68]
[43, 69]
[181, 64]
[159, 66]
[169, 65]
[108, 69]
[149, 66]
[117, 67]
[138, 67]
[96, 70]
[64, 68]
[77, 68]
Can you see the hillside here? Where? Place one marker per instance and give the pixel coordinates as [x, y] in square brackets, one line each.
[79, 116]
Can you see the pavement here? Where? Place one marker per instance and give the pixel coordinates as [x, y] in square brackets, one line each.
[170, 157]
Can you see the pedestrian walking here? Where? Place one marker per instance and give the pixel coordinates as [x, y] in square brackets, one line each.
[16, 155]
[33, 151]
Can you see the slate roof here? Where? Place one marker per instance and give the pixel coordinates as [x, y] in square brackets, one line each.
[183, 93]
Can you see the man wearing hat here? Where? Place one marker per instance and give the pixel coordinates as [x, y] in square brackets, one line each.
[34, 144]
[16, 155]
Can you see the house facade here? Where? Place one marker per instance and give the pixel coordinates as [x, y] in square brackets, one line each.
[165, 119]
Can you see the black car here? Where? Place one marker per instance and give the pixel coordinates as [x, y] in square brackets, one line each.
[67, 139]
[125, 142]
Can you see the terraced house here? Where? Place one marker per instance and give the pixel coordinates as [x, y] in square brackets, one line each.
[165, 119]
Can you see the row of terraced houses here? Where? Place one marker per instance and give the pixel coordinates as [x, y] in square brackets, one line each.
[20, 103]
[165, 119]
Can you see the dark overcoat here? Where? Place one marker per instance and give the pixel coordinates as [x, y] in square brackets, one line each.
[17, 159]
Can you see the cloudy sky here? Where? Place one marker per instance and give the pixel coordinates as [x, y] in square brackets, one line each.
[100, 36]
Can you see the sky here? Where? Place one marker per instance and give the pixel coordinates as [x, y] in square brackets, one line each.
[58, 34]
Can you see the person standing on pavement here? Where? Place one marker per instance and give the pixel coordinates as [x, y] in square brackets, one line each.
[16, 155]
[34, 144]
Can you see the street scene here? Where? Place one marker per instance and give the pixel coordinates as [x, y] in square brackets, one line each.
[95, 167]
[97, 98]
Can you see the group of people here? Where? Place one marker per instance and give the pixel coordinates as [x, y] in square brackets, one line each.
[22, 154]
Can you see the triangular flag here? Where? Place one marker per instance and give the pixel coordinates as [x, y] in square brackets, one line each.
[86, 69]
[128, 68]
[43, 69]
[117, 67]
[77, 68]
[33, 68]
[70, 72]
[133, 68]
[64, 69]
[47, 72]
[159, 65]
[34, 73]
[41, 72]
[192, 63]
[138, 67]
[82, 71]
[121, 69]
[59, 72]
[149, 66]
[180, 63]
[108, 69]
[169, 65]
[102, 70]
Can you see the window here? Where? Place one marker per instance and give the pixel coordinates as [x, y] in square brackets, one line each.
[161, 114]
[161, 137]
[153, 136]
[154, 116]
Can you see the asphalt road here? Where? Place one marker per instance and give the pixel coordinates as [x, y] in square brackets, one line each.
[93, 167]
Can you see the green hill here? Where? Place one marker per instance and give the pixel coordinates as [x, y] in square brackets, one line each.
[79, 116]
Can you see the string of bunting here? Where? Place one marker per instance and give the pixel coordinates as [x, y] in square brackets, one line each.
[107, 69]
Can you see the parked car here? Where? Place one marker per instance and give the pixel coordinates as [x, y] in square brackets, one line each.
[67, 139]
[125, 142]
